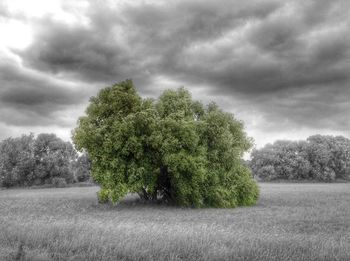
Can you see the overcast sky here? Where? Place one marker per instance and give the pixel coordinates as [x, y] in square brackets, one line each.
[282, 67]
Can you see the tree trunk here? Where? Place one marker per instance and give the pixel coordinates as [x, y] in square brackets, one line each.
[164, 184]
[144, 195]
[155, 195]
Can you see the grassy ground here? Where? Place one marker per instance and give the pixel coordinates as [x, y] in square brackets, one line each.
[290, 222]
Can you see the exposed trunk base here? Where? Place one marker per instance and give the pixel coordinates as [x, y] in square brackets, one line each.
[145, 196]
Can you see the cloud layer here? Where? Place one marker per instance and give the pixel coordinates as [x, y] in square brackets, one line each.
[283, 67]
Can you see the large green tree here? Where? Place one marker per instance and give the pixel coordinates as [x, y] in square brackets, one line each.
[172, 148]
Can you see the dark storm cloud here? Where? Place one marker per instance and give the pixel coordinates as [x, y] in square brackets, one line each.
[318, 107]
[76, 50]
[30, 99]
[135, 41]
[279, 52]
[289, 60]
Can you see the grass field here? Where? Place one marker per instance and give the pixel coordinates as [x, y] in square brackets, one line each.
[290, 222]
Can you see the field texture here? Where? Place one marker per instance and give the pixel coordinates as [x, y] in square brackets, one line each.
[290, 222]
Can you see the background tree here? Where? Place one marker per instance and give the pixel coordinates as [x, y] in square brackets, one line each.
[52, 159]
[329, 156]
[16, 160]
[323, 158]
[172, 148]
[82, 168]
[27, 160]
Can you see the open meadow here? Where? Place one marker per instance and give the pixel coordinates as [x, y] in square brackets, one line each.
[290, 222]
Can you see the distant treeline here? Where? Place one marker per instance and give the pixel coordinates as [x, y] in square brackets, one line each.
[322, 158]
[46, 159]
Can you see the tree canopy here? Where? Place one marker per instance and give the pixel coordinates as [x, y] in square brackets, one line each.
[172, 148]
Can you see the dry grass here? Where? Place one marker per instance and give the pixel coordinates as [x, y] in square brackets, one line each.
[290, 222]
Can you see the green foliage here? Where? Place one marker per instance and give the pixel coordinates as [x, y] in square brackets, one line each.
[172, 148]
[322, 158]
